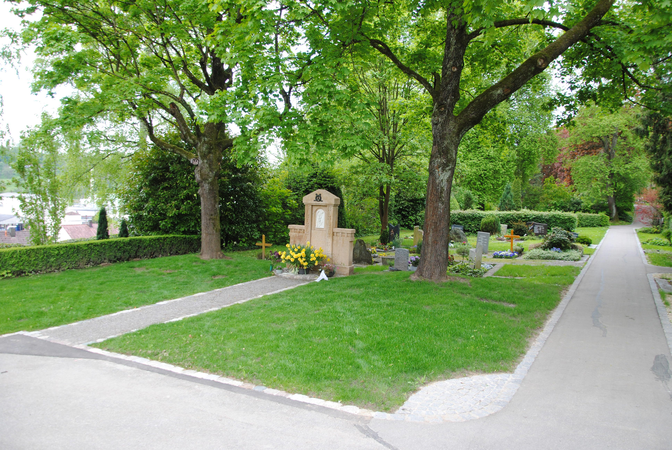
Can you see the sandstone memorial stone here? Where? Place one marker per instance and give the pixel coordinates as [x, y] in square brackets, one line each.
[418, 235]
[458, 234]
[360, 254]
[320, 229]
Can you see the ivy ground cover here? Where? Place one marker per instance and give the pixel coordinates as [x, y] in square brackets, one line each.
[42, 301]
[370, 339]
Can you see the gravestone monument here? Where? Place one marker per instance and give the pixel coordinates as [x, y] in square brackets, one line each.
[321, 230]
[395, 231]
[401, 259]
[458, 234]
[503, 229]
[360, 254]
[478, 257]
[537, 228]
[483, 239]
[418, 235]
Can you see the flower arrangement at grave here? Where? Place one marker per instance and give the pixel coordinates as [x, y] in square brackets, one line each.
[414, 260]
[329, 269]
[505, 254]
[303, 256]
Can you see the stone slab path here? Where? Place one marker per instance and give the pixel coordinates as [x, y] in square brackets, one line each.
[105, 327]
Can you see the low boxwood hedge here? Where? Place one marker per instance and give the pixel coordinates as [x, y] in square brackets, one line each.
[52, 258]
[471, 219]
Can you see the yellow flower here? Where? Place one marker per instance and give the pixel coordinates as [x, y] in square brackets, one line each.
[287, 246]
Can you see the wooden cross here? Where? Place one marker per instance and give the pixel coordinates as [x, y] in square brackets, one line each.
[512, 237]
[263, 245]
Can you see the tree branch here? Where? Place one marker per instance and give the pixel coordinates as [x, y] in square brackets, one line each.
[537, 63]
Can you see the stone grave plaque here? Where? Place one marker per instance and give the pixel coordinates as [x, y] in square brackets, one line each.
[483, 239]
[540, 228]
[478, 258]
[401, 259]
[503, 229]
[457, 227]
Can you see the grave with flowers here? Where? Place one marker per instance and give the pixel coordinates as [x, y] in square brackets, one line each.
[320, 231]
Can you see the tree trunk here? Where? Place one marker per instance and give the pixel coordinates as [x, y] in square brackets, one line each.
[207, 172]
[611, 154]
[384, 208]
[434, 256]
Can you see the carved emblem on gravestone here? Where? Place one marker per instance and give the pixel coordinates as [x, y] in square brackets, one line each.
[319, 218]
[318, 198]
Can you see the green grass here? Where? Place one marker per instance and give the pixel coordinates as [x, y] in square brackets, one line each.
[372, 268]
[660, 259]
[545, 274]
[369, 340]
[658, 255]
[42, 301]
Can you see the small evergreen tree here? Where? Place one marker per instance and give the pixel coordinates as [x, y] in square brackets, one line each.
[506, 200]
[102, 232]
[123, 229]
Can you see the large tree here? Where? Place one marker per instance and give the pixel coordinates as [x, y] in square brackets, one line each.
[447, 43]
[606, 160]
[151, 63]
[657, 128]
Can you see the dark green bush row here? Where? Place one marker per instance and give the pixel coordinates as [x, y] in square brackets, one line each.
[471, 219]
[52, 258]
[593, 220]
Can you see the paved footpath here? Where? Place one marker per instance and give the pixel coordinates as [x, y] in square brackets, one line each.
[598, 378]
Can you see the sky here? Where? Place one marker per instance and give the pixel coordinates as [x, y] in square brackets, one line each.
[21, 108]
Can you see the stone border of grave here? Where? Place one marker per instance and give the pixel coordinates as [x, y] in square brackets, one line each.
[296, 276]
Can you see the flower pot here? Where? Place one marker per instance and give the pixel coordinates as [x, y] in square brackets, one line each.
[302, 271]
[331, 273]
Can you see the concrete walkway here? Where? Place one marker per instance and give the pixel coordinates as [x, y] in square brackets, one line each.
[601, 380]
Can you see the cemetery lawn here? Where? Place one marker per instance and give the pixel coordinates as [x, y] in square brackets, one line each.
[658, 255]
[370, 340]
[47, 300]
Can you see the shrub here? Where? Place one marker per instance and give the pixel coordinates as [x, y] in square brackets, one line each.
[538, 253]
[667, 234]
[625, 216]
[53, 258]
[657, 241]
[558, 238]
[585, 240]
[419, 247]
[592, 220]
[518, 249]
[471, 220]
[650, 230]
[519, 228]
[396, 243]
[490, 224]
[462, 249]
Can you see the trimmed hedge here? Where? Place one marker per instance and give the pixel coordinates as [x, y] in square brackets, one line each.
[52, 258]
[593, 220]
[471, 219]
